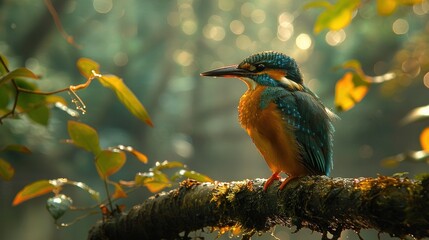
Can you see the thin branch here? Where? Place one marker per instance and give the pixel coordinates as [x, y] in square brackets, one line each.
[398, 206]
[60, 28]
[80, 105]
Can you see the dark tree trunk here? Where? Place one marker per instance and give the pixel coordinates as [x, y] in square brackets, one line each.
[398, 206]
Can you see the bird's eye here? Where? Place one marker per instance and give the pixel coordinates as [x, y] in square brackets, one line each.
[259, 67]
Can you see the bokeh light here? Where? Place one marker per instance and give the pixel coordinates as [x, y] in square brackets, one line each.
[183, 57]
[103, 6]
[426, 80]
[243, 42]
[303, 41]
[335, 38]
[258, 16]
[237, 27]
[285, 28]
[422, 8]
[120, 59]
[400, 26]
[189, 27]
[247, 9]
[216, 33]
[226, 5]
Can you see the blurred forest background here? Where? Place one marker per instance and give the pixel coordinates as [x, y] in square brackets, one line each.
[159, 48]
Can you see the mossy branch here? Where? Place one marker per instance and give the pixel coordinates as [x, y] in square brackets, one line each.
[398, 206]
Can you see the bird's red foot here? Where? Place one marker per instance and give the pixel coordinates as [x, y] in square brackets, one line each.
[286, 181]
[270, 180]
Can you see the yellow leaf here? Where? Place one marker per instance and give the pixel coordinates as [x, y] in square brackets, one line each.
[6, 170]
[140, 156]
[119, 191]
[386, 7]
[154, 181]
[341, 20]
[86, 66]
[336, 16]
[410, 2]
[55, 99]
[33, 190]
[126, 96]
[109, 162]
[424, 139]
[350, 90]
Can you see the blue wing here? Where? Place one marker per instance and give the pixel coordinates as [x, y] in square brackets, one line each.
[313, 128]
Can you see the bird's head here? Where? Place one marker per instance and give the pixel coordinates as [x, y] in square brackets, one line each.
[267, 68]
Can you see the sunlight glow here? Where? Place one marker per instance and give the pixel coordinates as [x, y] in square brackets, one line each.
[237, 27]
[303, 41]
[183, 57]
[412, 67]
[258, 16]
[285, 17]
[285, 28]
[422, 8]
[284, 31]
[426, 80]
[247, 8]
[335, 38]
[243, 42]
[215, 33]
[189, 27]
[226, 5]
[400, 26]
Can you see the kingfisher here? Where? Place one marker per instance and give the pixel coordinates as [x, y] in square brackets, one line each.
[287, 122]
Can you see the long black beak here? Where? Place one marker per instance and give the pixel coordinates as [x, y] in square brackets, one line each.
[228, 71]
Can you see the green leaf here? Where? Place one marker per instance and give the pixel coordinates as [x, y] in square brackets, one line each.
[33, 190]
[40, 115]
[86, 66]
[336, 16]
[58, 205]
[192, 175]
[84, 136]
[126, 96]
[166, 164]
[6, 170]
[29, 101]
[155, 181]
[5, 97]
[4, 64]
[317, 4]
[18, 73]
[109, 162]
[16, 148]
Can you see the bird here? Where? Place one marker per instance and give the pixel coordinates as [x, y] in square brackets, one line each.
[286, 121]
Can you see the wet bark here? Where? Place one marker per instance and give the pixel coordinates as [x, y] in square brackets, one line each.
[398, 206]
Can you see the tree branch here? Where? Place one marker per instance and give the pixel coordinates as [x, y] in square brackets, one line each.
[398, 206]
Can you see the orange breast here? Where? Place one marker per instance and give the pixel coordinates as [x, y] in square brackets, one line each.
[274, 139]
